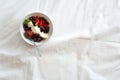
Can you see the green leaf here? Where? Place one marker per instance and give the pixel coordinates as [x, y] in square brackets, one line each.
[26, 21]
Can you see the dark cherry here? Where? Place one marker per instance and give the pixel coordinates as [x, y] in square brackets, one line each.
[45, 20]
[36, 38]
[32, 18]
[42, 29]
[26, 28]
[46, 30]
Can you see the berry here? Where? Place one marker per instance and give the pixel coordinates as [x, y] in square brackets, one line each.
[36, 20]
[29, 34]
[32, 18]
[26, 28]
[36, 38]
[46, 30]
[45, 20]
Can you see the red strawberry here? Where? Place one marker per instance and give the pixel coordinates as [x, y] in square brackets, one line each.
[29, 34]
[43, 21]
[36, 17]
[40, 22]
[36, 20]
[46, 25]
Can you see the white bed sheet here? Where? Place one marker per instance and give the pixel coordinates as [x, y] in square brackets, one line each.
[85, 44]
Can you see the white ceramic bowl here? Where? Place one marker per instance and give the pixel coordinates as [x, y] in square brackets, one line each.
[40, 15]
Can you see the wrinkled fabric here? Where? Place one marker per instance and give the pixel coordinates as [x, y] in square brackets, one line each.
[85, 44]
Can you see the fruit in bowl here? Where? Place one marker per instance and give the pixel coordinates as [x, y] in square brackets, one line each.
[36, 28]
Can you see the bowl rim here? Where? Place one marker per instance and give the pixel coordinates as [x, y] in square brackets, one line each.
[42, 15]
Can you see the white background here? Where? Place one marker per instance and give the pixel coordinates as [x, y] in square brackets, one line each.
[85, 44]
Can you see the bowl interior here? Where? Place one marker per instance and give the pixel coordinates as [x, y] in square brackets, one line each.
[40, 15]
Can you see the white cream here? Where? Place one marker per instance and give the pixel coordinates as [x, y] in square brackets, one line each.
[35, 29]
[30, 24]
[44, 35]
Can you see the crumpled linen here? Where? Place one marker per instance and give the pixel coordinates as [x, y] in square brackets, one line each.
[84, 45]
